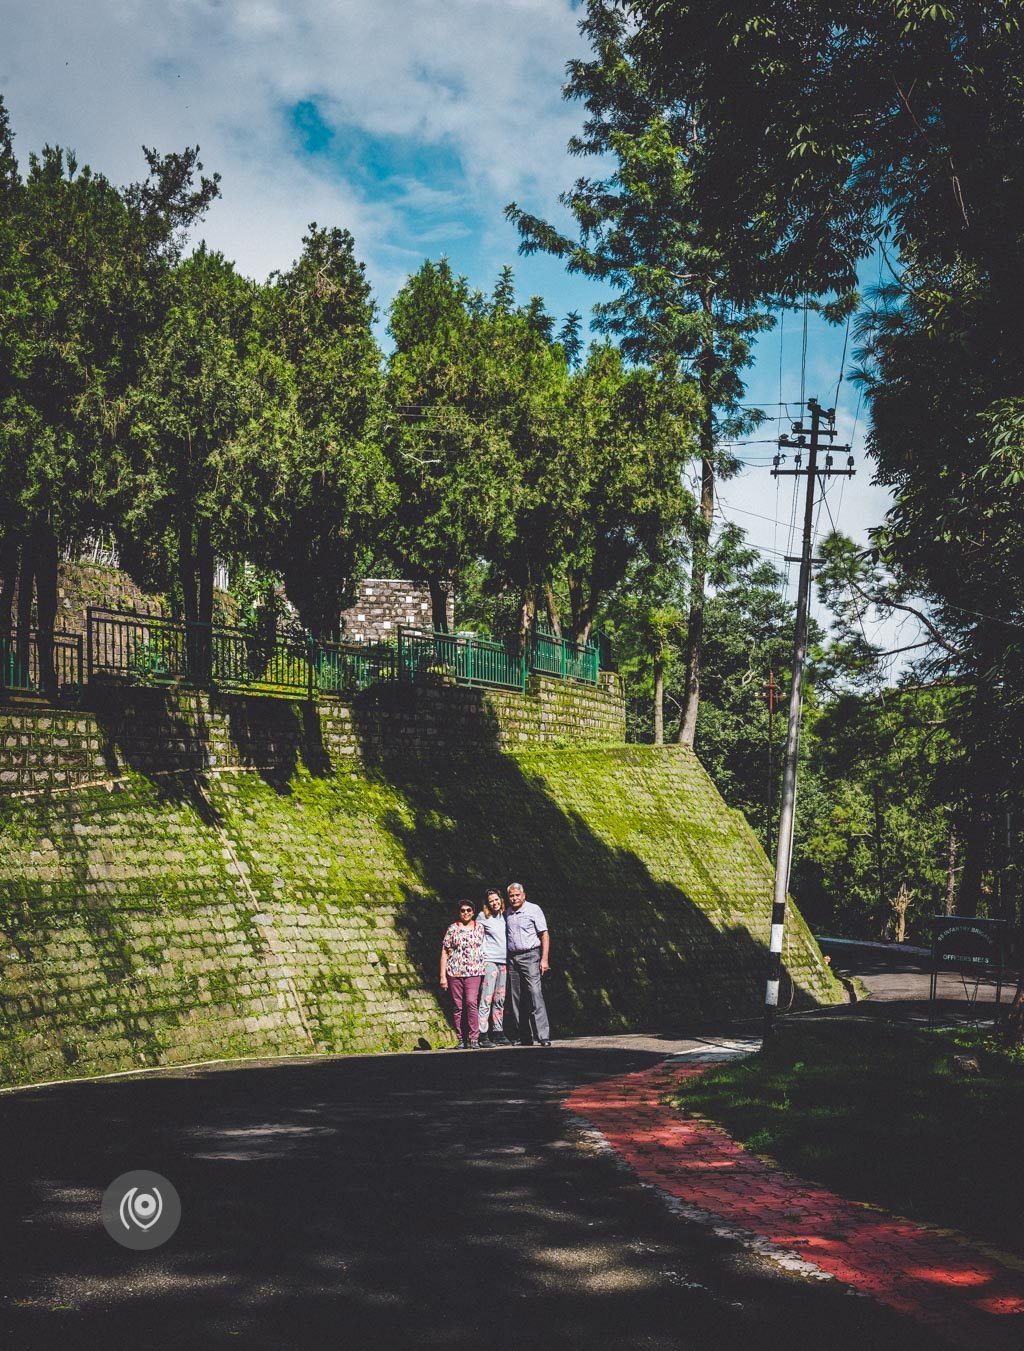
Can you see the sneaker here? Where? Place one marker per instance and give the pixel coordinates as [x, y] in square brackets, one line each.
[485, 1041]
[544, 1043]
[499, 1039]
[462, 1046]
[474, 1046]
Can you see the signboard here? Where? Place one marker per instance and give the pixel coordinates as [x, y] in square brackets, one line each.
[972, 947]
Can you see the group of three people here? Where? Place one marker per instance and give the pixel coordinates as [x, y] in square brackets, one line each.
[482, 955]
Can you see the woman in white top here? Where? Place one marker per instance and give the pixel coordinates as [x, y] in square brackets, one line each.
[492, 992]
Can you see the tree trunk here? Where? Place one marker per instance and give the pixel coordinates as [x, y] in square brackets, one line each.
[575, 586]
[554, 618]
[659, 697]
[527, 614]
[698, 578]
[47, 563]
[701, 535]
[950, 906]
[187, 573]
[438, 604]
[205, 570]
[901, 903]
[23, 644]
[8, 579]
[189, 599]
[976, 838]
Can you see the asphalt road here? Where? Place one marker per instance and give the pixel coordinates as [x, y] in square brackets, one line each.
[440, 1200]
[897, 979]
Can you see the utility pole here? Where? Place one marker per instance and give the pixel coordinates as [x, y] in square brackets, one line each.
[809, 441]
[771, 698]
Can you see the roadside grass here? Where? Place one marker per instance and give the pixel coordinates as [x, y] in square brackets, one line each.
[878, 1113]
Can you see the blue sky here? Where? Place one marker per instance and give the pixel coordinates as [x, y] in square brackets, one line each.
[410, 122]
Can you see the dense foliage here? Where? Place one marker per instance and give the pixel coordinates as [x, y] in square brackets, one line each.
[190, 414]
[861, 129]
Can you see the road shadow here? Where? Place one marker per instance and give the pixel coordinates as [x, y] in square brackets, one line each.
[436, 1201]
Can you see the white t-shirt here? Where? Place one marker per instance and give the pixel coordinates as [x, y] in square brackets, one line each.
[495, 945]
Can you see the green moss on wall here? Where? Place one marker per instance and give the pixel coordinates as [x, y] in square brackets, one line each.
[196, 917]
[249, 878]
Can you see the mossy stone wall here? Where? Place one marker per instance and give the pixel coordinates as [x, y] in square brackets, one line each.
[183, 879]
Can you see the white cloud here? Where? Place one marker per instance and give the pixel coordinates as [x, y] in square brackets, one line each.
[478, 78]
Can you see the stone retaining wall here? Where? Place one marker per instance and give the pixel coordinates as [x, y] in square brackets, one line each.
[187, 878]
[148, 730]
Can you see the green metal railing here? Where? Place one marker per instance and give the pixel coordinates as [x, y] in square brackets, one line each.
[22, 662]
[467, 660]
[154, 650]
[568, 661]
[149, 649]
[347, 668]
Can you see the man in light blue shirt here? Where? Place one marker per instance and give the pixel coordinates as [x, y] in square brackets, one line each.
[529, 947]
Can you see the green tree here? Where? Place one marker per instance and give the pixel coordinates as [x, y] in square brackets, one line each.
[612, 492]
[81, 266]
[875, 813]
[204, 427]
[898, 127]
[335, 484]
[682, 297]
[856, 117]
[645, 618]
[473, 393]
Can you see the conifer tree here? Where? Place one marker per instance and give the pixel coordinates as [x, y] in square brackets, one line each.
[642, 230]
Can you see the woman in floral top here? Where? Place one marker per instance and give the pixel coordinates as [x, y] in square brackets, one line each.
[462, 972]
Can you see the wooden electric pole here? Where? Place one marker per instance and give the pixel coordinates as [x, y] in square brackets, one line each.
[809, 441]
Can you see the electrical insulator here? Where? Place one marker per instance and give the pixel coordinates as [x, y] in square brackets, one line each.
[849, 462]
[828, 461]
[775, 461]
[798, 461]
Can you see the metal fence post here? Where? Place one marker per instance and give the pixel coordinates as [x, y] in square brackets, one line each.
[88, 643]
[311, 658]
[400, 657]
[469, 662]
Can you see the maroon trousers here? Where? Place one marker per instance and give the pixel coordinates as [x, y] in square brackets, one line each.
[465, 993]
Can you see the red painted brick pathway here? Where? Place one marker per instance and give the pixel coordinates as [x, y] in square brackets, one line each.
[974, 1299]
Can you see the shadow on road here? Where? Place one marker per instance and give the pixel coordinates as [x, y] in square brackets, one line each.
[421, 1201]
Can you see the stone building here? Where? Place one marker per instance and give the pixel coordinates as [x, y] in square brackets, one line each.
[384, 605]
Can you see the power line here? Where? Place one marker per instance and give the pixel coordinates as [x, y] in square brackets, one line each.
[803, 358]
[772, 520]
[842, 363]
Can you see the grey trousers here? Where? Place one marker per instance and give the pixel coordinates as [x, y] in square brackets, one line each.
[526, 996]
